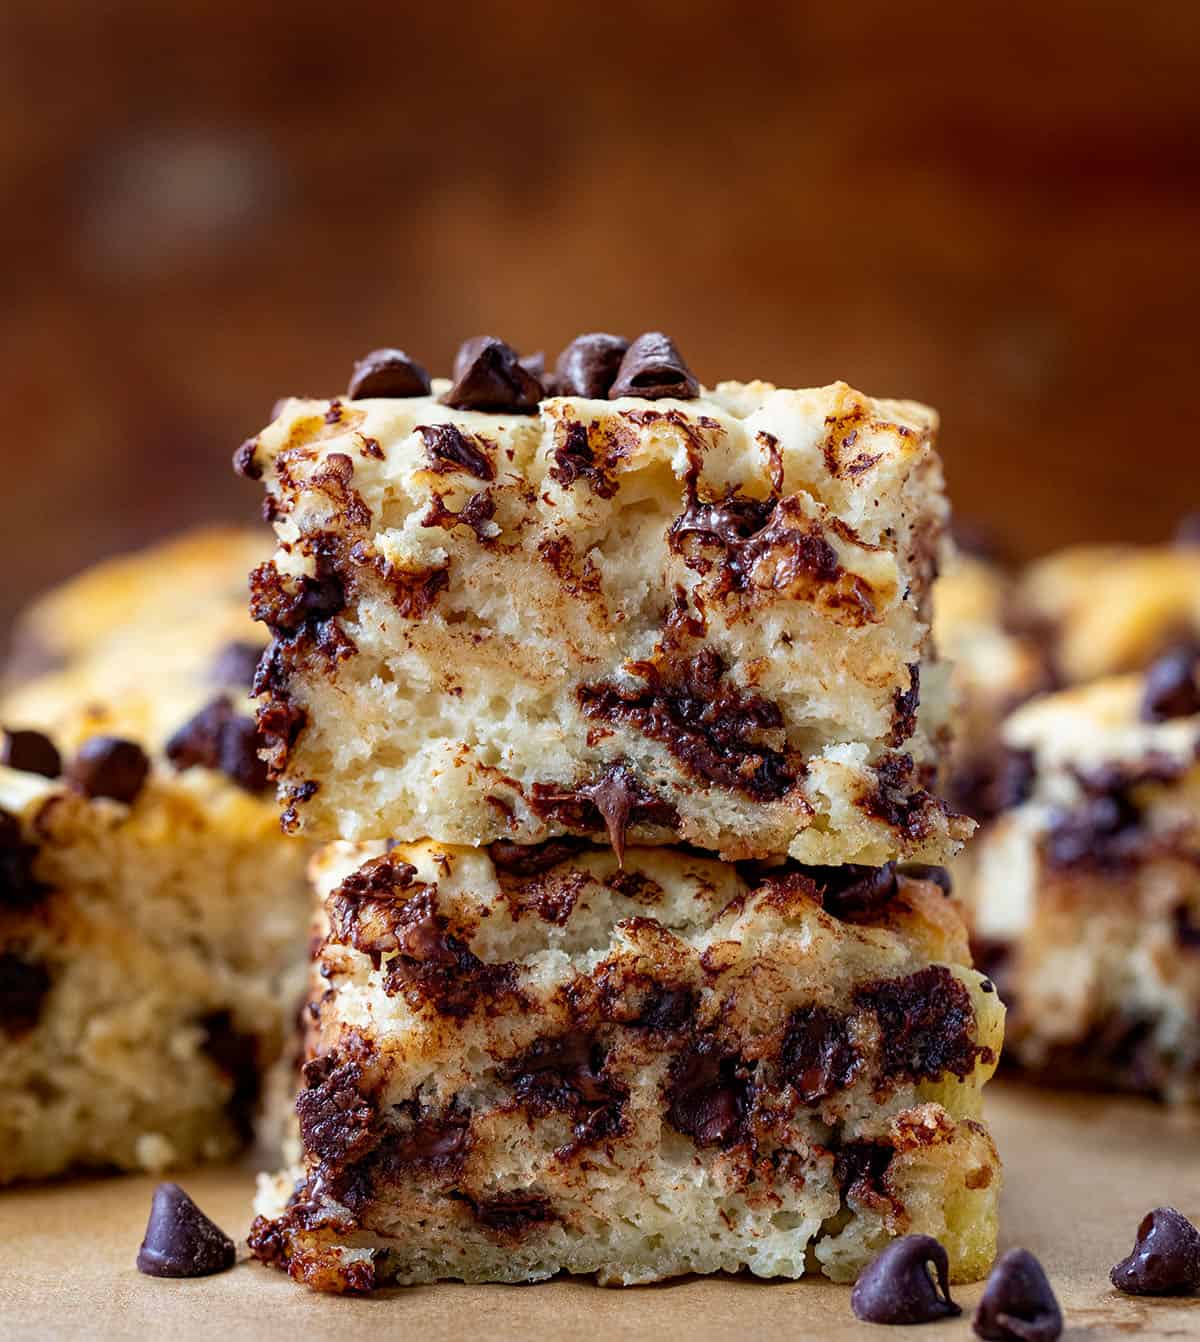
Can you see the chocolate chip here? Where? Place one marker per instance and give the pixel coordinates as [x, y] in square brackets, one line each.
[31, 752]
[1165, 1258]
[1172, 685]
[244, 463]
[652, 369]
[589, 365]
[488, 375]
[387, 372]
[853, 891]
[107, 766]
[23, 987]
[521, 859]
[707, 1097]
[898, 1286]
[1188, 530]
[614, 796]
[219, 738]
[180, 1240]
[236, 664]
[925, 871]
[1018, 1304]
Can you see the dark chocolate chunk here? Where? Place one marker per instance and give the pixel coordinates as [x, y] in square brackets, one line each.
[1165, 1259]
[219, 738]
[1172, 685]
[852, 891]
[926, 1024]
[19, 889]
[710, 725]
[589, 364]
[447, 445]
[898, 1286]
[236, 664]
[107, 766]
[244, 462]
[926, 871]
[1018, 1304]
[31, 752]
[1103, 831]
[524, 859]
[653, 369]
[23, 987]
[994, 781]
[337, 1120]
[488, 375]
[180, 1240]
[387, 372]
[234, 1053]
[707, 1097]
[1188, 530]
[816, 1056]
[614, 796]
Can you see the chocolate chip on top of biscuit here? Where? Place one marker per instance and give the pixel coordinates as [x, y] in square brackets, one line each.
[387, 372]
[31, 752]
[589, 365]
[654, 369]
[489, 376]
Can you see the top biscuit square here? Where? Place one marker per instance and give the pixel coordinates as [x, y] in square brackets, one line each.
[701, 621]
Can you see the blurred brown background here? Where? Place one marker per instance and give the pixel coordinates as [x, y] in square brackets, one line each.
[208, 205]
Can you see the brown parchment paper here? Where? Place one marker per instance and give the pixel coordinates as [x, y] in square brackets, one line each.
[1080, 1172]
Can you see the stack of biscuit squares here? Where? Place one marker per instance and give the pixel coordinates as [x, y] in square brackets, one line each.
[1081, 759]
[614, 703]
[153, 920]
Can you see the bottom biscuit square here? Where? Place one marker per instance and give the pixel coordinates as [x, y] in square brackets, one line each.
[527, 1061]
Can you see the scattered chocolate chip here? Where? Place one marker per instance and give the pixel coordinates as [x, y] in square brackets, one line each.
[653, 369]
[925, 871]
[222, 739]
[1188, 530]
[244, 463]
[488, 375]
[23, 987]
[589, 364]
[387, 372]
[898, 1286]
[1172, 685]
[107, 766]
[1165, 1259]
[180, 1240]
[1018, 1304]
[31, 752]
[236, 664]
